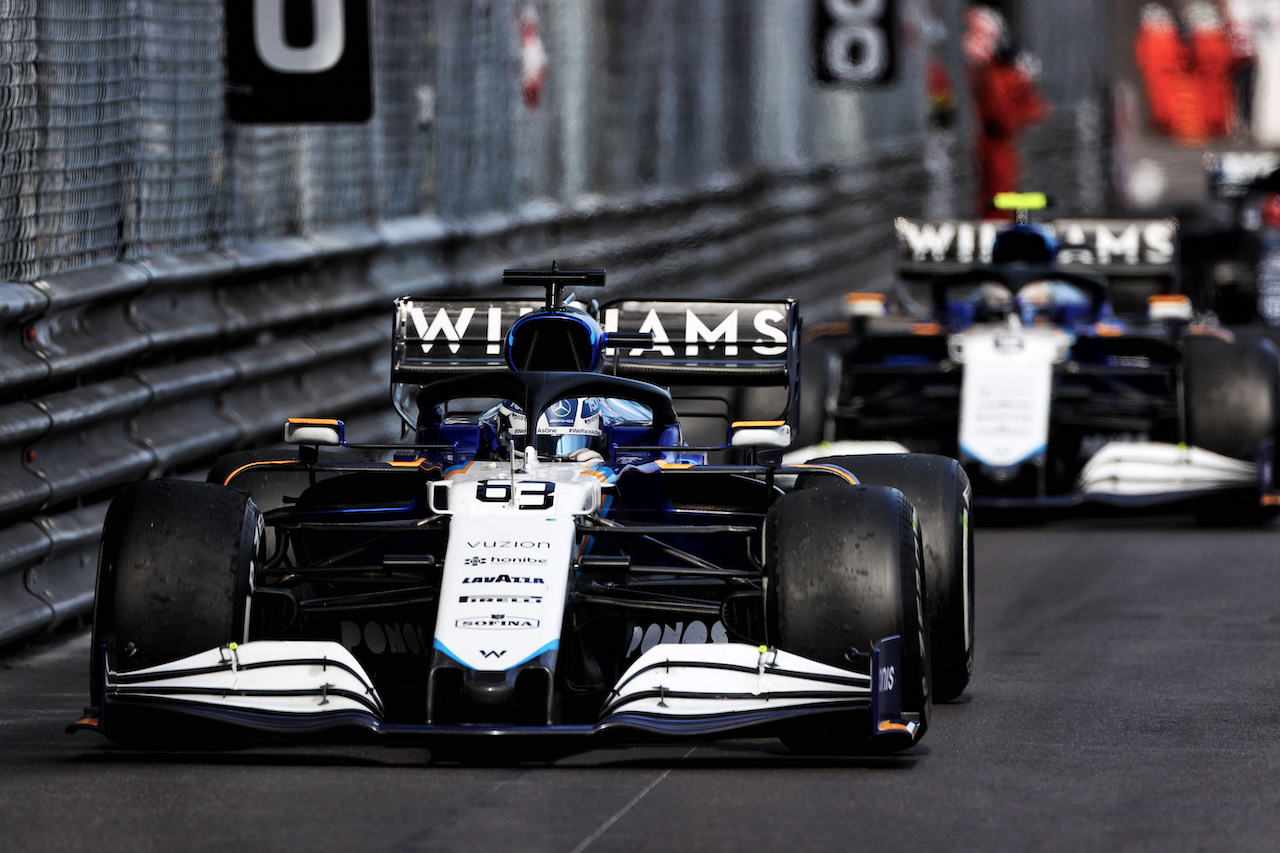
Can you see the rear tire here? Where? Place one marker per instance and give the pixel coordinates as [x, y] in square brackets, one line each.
[174, 577]
[844, 571]
[820, 376]
[939, 490]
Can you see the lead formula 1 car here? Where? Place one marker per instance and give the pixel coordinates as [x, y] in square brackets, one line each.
[544, 556]
[1058, 373]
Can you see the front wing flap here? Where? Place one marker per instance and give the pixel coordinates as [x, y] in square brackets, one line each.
[303, 685]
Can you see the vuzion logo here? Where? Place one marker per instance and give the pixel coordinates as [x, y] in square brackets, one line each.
[507, 543]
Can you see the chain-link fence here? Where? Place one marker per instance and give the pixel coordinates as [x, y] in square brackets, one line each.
[116, 145]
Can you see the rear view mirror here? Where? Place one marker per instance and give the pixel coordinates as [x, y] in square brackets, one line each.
[762, 435]
[316, 431]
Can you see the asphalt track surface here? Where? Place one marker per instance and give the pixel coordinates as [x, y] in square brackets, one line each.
[1126, 697]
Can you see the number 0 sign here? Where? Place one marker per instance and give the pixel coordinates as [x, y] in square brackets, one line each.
[856, 41]
[298, 61]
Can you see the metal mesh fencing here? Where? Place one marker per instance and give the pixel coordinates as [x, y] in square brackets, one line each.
[84, 89]
[115, 142]
[178, 167]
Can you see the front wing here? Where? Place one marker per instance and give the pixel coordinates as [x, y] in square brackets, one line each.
[305, 686]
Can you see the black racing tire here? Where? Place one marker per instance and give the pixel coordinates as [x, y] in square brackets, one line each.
[939, 490]
[819, 378]
[174, 577]
[1231, 401]
[229, 463]
[1231, 394]
[844, 570]
[268, 484]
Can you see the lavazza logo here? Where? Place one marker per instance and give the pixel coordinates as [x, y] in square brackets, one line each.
[498, 621]
[503, 579]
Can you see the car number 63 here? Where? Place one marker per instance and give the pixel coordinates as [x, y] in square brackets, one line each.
[534, 494]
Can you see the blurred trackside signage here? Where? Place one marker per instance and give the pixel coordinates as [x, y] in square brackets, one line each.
[298, 61]
[1084, 242]
[856, 41]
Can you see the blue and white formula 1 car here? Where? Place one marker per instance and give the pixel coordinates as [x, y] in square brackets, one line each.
[548, 557]
[1035, 369]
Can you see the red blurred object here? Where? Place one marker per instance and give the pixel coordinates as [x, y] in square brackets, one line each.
[1214, 60]
[984, 30]
[1271, 211]
[942, 94]
[1166, 62]
[533, 58]
[1008, 103]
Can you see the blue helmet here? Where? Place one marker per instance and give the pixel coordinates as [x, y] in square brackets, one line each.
[1024, 244]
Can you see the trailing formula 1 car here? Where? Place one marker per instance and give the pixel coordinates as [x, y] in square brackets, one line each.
[1048, 395]
[544, 557]
[1230, 247]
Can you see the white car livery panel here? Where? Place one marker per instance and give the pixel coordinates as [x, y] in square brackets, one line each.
[1006, 391]
[506, 571]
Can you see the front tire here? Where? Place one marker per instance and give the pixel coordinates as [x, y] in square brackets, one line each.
[1231, 400]
[174, 578]
[844, 571]
[939, 490]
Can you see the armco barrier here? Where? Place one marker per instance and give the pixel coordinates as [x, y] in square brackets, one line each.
[131, 370]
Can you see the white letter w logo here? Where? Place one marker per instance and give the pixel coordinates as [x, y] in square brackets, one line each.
[440, 325]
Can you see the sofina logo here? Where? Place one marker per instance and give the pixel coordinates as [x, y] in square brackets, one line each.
[498, 622]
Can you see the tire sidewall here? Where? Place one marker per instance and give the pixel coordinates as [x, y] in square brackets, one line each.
[939, 490]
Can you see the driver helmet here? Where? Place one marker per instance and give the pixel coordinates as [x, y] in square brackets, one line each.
[567, 426]
[991, 301]
[1051, 302]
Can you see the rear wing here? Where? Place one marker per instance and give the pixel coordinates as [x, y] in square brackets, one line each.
[1115, 248]
[704, 342]
[1137, 257]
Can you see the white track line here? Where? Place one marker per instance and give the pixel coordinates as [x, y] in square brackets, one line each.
[620, 812]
